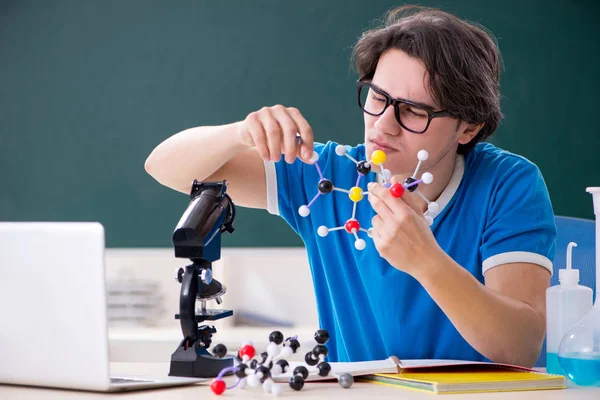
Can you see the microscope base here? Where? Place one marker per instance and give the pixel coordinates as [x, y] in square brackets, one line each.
[188, 363]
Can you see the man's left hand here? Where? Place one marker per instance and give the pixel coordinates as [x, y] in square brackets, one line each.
[401, 235]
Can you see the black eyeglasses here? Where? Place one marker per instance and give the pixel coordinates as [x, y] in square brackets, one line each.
[413, 117]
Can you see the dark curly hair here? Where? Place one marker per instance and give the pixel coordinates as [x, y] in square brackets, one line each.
[461, 58]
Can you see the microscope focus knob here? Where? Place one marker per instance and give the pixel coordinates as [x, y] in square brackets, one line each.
[179, 274]
[206, 276]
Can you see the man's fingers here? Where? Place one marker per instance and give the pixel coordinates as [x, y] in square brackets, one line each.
[376, 223]
[377, 195]
[260, 141]
[288, 130]
[273, 133]
[305, 131]
[397, 206]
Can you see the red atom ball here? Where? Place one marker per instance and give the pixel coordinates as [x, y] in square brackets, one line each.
[352, 226]
[397, 190]
[247, 350]
[218, 386]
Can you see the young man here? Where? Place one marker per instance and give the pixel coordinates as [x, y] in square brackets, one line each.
[470, 286]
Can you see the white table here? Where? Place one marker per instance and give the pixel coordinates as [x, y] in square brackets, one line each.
[311, 390]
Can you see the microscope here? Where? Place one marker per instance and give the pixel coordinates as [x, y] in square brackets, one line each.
[197, 237]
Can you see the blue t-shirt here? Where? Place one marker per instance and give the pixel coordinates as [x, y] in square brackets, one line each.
[495, 210]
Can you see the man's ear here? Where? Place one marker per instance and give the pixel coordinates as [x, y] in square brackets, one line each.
[469, 132]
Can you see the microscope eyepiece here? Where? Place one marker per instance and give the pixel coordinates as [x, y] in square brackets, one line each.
[209, 213]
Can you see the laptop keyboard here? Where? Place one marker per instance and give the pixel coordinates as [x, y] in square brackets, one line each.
[124, 380]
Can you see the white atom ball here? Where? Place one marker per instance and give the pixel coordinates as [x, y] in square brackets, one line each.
[277, 389]
[422, 155]
[387, 174]
[427, 178]
[286, 352]
[360, 244]
[253, 380]
[429, 219]
[273, 349]
[304, 211]
[315, 157]
[433, 207]
[340, 150]
[370, 232]
[322, 231]
[267, 386]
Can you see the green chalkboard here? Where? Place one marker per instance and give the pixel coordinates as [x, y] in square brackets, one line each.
[89, 88]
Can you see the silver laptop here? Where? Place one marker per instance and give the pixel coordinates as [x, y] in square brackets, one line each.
[53, 310]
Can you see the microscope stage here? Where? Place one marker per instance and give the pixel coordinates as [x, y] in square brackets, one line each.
[210, 315]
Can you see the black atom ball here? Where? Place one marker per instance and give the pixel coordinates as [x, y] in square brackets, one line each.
[363, 168]
[283, 364]
[321, 336]
[320, 350]
[266, 373]
[325, 186]
[294, 344]
[264, 355]
[301, 370]
[296, 382]
[241, 371]
[220, 350]
[324, 368]
[253, 364]
[276, 337]
[408, 181]
[310, 359]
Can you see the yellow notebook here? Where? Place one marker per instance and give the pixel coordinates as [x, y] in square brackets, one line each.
[468, 379]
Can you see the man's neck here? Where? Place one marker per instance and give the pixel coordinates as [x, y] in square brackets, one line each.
[442, 172]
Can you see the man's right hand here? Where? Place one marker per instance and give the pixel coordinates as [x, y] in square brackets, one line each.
[273, 131]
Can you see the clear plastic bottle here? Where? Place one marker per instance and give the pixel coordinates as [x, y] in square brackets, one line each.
[566, 304]
[579, 350]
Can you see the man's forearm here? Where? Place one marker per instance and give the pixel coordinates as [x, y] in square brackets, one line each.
[500, 328]
[194, 153]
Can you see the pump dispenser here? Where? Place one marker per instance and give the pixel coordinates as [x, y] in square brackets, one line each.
[579, 350]
[566, 304]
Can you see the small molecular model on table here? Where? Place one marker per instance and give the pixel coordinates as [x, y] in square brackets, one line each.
[254, 371]
[356, 193]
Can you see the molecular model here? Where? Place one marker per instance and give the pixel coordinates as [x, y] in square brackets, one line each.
[356, 194]
[261, 371]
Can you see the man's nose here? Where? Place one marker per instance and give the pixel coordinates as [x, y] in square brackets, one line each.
[387, 123]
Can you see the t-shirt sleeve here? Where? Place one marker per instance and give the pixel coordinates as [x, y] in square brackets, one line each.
[287, 187]
[520, 227]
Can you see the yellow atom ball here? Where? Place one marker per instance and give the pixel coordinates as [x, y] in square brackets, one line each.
[378, 157]
[355, 194]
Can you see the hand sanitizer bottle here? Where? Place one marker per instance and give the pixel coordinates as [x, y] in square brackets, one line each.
[566, 304]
